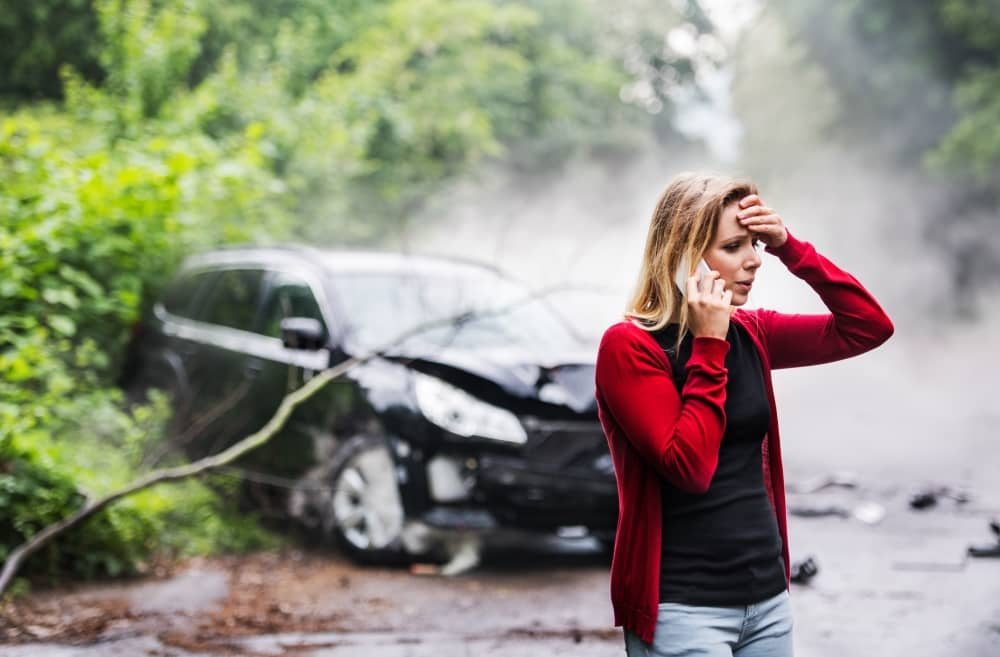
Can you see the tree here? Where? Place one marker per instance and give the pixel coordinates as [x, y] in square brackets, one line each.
[926, 74]
[38, 39]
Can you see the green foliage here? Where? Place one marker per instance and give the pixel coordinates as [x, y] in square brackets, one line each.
[362, 108]
[364, 120]
[39, 485]
[33, 496]
[973, 144]
[38, 38]
[42, 479]
[99, 205]
[141, 77]
[92, 228]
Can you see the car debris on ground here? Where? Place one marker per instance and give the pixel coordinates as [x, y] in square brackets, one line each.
[988, 550]
[929, 496]
[804, 570]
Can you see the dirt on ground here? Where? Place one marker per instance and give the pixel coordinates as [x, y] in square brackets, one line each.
[266, 592]
[204, 604]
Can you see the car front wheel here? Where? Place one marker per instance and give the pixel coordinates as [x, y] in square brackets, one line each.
[365, 510]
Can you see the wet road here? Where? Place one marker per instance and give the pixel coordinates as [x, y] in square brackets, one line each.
[899, 587]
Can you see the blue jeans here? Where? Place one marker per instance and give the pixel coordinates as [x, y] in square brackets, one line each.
[763, 629]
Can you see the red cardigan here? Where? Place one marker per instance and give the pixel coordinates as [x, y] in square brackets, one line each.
[652, 433]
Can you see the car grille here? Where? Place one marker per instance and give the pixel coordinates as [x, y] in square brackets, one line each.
[567, 446]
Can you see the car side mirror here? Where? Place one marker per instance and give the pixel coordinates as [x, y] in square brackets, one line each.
[302, 333]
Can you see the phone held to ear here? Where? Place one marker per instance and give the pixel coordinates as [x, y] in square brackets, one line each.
[681, 276]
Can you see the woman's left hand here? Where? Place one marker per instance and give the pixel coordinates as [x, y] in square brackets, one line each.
[762, 221]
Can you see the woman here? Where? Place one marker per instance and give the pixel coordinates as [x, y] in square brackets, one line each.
[684, 393]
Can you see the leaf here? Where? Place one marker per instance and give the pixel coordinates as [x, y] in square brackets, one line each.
[63, 324]
[64, 296]
[19, 369]
[81, 280]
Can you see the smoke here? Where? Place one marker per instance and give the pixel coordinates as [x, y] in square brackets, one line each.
[582, 226]
[890, 411]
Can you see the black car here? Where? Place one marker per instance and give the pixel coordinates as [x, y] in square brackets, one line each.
[484, 421]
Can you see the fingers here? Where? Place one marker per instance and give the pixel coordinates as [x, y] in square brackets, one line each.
[709, 287]
[692, 288]
[763, 222]
[755, 211]
[709, 305]
[761, 219]
[749, 200]
[700, 285]
[707, 283]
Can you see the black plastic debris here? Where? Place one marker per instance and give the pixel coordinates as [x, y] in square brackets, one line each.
[870, 513]
[818, 510]
[984, 550]
[842, 479]
[988, 550]
[928, 497]
[923, 500]
[804, 570]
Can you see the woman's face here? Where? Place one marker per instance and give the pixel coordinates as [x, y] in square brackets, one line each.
[734, 255]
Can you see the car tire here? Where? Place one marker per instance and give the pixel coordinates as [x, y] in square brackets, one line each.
[364, 512]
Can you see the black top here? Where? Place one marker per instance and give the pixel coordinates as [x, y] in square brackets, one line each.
[723, 547]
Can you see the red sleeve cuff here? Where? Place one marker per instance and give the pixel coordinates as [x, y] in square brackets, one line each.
[791, 251]
[790, 245]
[712, 350]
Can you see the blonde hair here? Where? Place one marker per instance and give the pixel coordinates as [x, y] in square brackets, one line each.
[684, 224]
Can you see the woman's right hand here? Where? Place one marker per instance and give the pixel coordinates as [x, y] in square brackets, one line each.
[709, 308]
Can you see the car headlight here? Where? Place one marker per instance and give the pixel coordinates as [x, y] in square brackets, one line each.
[460, 413]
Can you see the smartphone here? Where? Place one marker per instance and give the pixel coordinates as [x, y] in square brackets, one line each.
[681, 276]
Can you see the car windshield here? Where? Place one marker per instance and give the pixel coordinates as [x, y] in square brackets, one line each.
[380, 306]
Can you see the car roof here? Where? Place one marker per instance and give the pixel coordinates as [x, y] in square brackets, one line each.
[339, 260]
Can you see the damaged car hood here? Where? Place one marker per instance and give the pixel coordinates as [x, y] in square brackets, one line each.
[565, 379]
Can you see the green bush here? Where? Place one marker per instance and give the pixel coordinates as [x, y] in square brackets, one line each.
[91, 448]
[33, 496]
[93, 226]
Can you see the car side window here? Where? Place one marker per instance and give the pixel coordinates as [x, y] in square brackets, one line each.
[234, 298]
[289, 296]
[180, 295]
